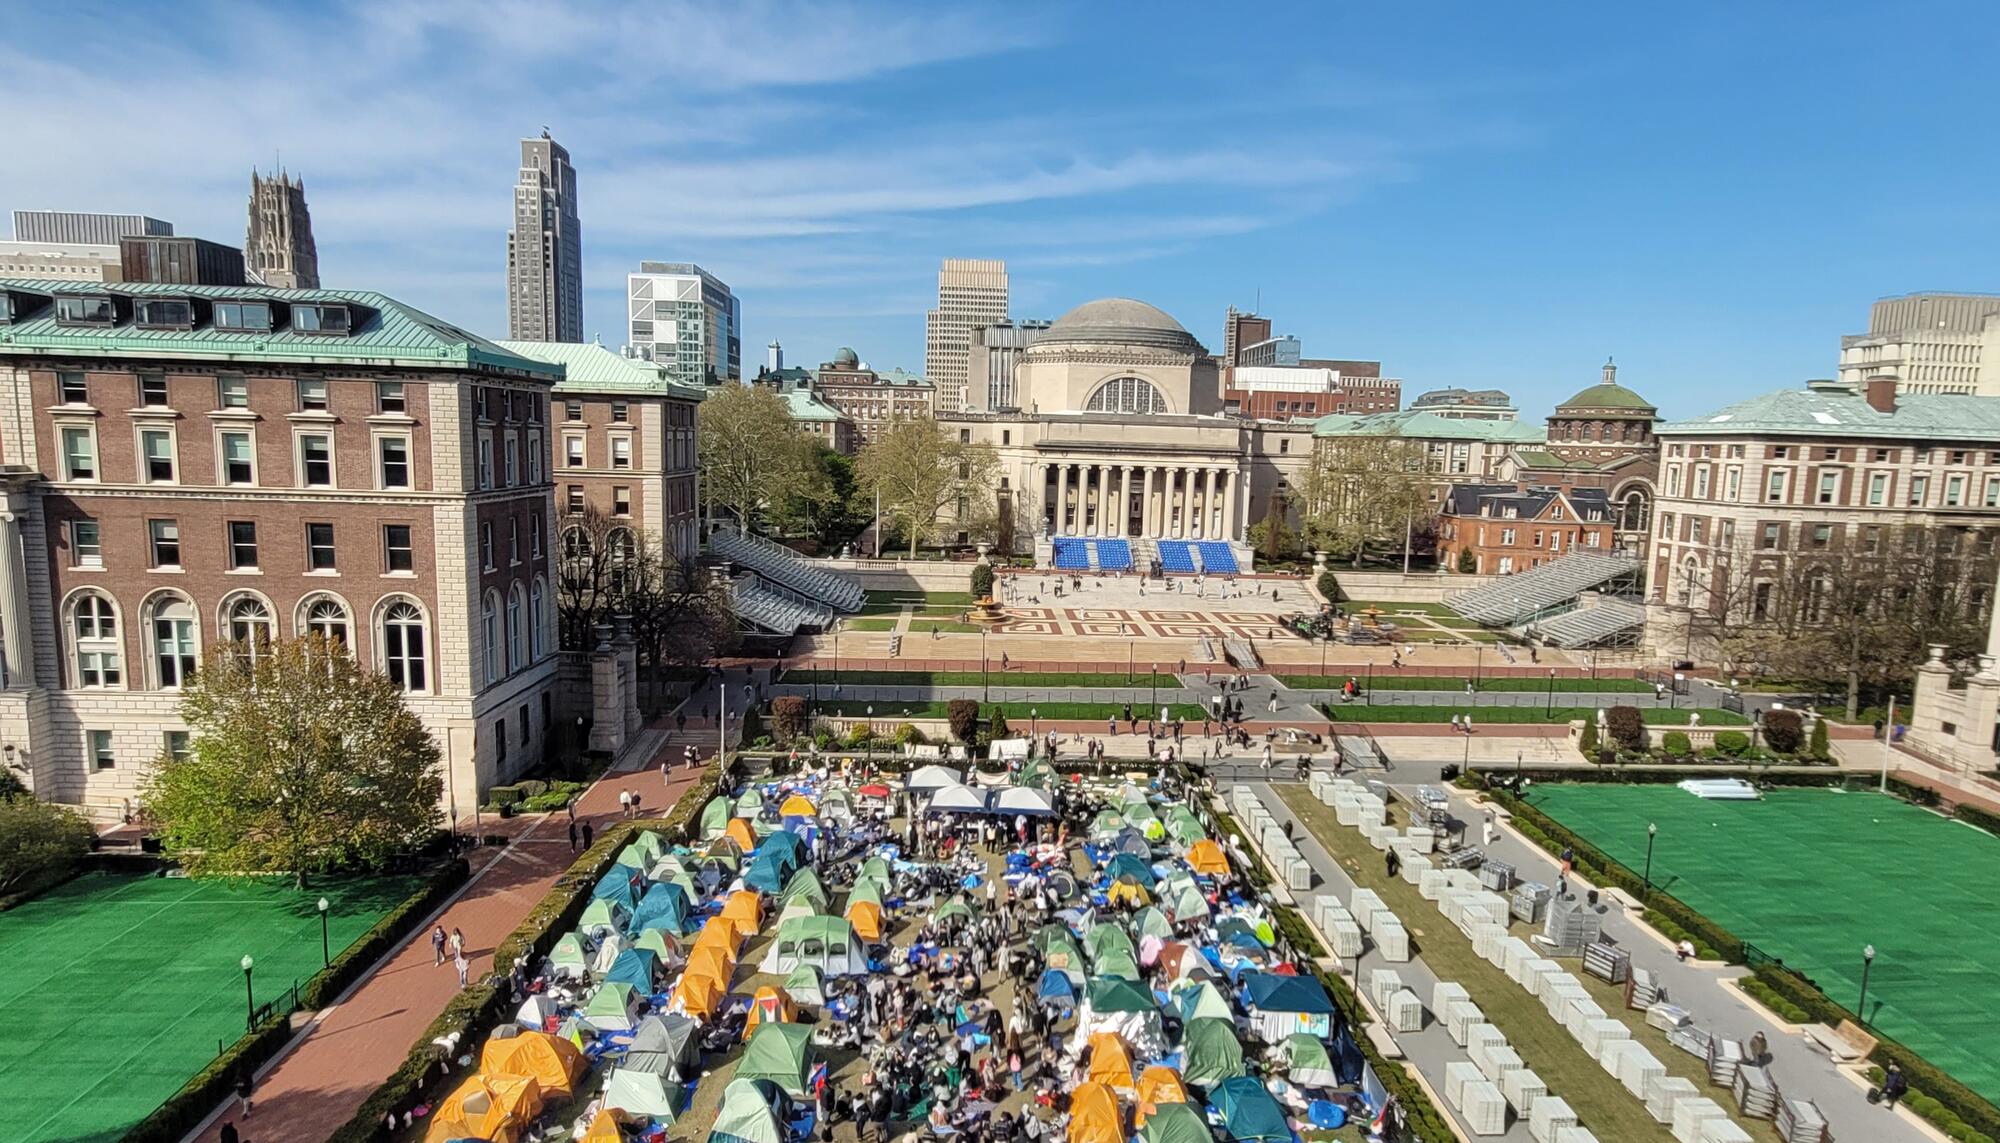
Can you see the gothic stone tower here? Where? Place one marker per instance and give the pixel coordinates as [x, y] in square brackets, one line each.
[279, 246]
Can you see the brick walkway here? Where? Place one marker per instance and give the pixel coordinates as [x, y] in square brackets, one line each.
[358, 1043]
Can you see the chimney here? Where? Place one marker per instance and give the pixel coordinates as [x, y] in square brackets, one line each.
[1881, 394]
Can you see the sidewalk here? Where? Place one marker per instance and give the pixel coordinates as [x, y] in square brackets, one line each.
[352, 1047]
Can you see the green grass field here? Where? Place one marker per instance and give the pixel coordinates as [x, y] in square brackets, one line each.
[1017, 712]
[1812, 877]
[1386, 681]
[1389, 610]
[115, 990]
[898, 597]
[1532, 715]
[1107, 679]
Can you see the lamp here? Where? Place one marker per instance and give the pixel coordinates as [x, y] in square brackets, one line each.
[1652, 831]
[249, 996]
[325, 944]
[1867, 962]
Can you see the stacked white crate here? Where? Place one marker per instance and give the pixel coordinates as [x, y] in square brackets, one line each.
[1327, 909]
[1347, 807]
[1432, 883]
[1535, 972]
[1575, 1135]
[1581, 1012]
[1345, 936]
[1515, 952]
[1406, 1012]
[1382, 984]
[1480, 1043]
[1498, 1061]
[1523, 1088]
[1666, 1091]
[1364, 904]
[1486, 937]
[1558, 989]
[1379, 836]
[1461, 1017]
[1691, 1113]
[1610, 1053]
[1464, 879]
[1547, 1117]
[1415, 867]
[1423, 839]
[1443, 993]
[1639, 1069]
[1456, 1075]
[1373, 810]
[1723, 1131]
[1485, 1109]
[1392, 940]
[1298, 872]
[1598, 1032]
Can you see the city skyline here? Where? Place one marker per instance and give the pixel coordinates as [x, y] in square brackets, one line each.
[1607, 189]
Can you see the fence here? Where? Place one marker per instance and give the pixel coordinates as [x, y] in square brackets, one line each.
[283, 1004]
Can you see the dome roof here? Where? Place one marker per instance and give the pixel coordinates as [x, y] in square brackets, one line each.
[846, 356]
[1609, 395]
[1120, 321]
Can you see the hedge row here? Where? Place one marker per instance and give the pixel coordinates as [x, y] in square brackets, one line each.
[1770, 998]
[1673, 932]
[477, 1010]
[1942, 1117]
[1425, 1121]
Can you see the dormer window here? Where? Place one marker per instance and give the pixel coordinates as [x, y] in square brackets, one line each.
[9, 308]
[243, 317]
[85, 309]
[333, 321]
[163, 313]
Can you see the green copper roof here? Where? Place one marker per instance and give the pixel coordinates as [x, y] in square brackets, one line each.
[806, 404]
[1840, 413]
[1607, 396]
[903, 379]
[1416, 423]
[593, 368]
[386, 332]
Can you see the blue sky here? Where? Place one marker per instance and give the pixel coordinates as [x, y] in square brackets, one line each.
[1481, 195]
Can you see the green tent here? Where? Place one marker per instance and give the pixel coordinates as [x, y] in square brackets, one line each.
[1127, 867]
[958, 906]
[643, 1095]
[876, 869]
[781, 1053]
[610, 1008]
[1108, 939]
[1050, 935]
[747, 1114]
[633, 857]
[865, 891]
[686, 882]
[1064, 956]
[1116, 963]
[1106, 823]
[1185, 827]
[1117, 994]
[1187, 904]
[602, 912]
[1210, 1051]
[666, 866]
[1150, 922]
[750, 804]
[836, 804]
[1038, 774]
[826, 943]
[650, 843]
[569, 952]
[715, 817]
[807, 984]
[1175, 1123]
[1306, 1062]
[805, 883]
[1202, 1000]
[657, 941]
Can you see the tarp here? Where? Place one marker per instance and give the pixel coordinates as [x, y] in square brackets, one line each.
[715, 817]
[825, 943]
[494, 1108]
[1207, 858]
[668, 1045]
[1094, 1116]
[748, 1114]
[1026, 801]
[1307, 1063]
[1175, 1122]
[770, 1005]
[611, 1008]
[636, 967]
[739, 831]
[1210, 1051]
[866, 917]
[664, 907]
[933, 778]
[959, 800]
[1249, 1112]
[552, 1062]
[1159, 1085]
[644, 1094]
[807, 986]
[781, 1053]
[1112, 994]
[1110, 1062]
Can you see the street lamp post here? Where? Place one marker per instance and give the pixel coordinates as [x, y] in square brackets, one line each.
[836, 662]
[1368, 694]
[1033, 713]
[1465, 763]
[1517, 773]
[871, 732]
[1867, 962]
[1551, 712]
[721, 720]
[1675, 702]
[325, 944]
[1652, 831]
[1153, 682]
[249, 996]
[985, 681]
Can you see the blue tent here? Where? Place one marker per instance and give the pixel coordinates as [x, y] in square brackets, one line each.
[1249, 1112]
[665, 906]
[1126, 865]
[616, 887]
[1056, 988]
[635, 967]
[784, 843]
[1276, 992]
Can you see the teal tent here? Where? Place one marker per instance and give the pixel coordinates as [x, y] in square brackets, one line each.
[1249, 1112]
[1175, 1123]
[781, 1053]
[1116, 994]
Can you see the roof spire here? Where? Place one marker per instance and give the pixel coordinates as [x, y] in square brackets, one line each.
[1610, 372]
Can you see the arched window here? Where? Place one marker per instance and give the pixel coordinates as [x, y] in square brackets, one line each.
[326, 618]
[489, 633]
[537, 620]
[247, 621]
[1126, 395]
[515, 659]
[1690, 581]
[94, 625]
[623, 551]
[403, 645]
[1634, 514]
[174, 639]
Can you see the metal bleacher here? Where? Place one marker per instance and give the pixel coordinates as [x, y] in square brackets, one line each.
[1551, 588]
[1177, 556]
[776, 609]
[1114, 555]
[1595, 625]
[1216, 557]
[787, 569]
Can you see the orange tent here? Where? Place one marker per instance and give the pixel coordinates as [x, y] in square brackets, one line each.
[1093, 1115]
[866, 917]
[719, 933]
[770, 1005]
[739, 831]
[1206, 858]
[495, 1108]
[708, 960]
[1157, 1085]
[551, 1061]
[1110, 1063]
[604, 1129]
[744, 909]
[698, 994]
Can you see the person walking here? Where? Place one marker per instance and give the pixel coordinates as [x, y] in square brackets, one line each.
[1894, 1087]
[586, 835]
[243, 1087]
[1391, 862]
[457, 941]
[572, 835]
[464, 968]
[624, 803]
[438, 939]
[1454, 724]
[1265, 763]
[1272, 706]
[1490, 830]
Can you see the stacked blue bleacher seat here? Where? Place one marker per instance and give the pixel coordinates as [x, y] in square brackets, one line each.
[1216, 557]
[1114, 555]
[1072, 554]
[1175, 556]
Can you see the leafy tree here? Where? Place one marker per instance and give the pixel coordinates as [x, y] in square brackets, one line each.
[1818, 745]
[39, 843]
[982, 580]
[1275, 538]
[1329, 586]
[963, 717]
[1627, 728]
[788, 717]
[827, 507]
[1784, 730]
[1587, 743]
[1362, 491]
[301, 761]
[1468, 561]
[997, 724]
[928, 477]
[753, 458]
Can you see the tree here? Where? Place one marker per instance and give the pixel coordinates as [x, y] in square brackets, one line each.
[788, 718]
[301, 761]
[1783, 730]
[39, 843]
[1627, 727]
[1274, 536]
[827, 507]
[1587, 744]
[982, 581]
[1468, 561]
[963, 717]
[927, 476]
[1365, 490]
[753, 457]
[1817, 744]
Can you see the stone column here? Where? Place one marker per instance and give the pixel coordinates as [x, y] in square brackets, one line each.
[1178, 482]
[1102, 494]
[1146, 501]
[1125, 501]
[1062, 499]
[1227, 490]
[19, 667]
[1206, 520]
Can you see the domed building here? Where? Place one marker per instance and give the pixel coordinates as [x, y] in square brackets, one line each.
[871, 399]
[1601, 438]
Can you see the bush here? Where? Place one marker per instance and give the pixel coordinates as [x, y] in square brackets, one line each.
[41, 844]
[788, 717]
[963, 716]
[982, 581]
[1731, 743]
[1627, 727]
[753, 726]
[859, 734]
[997, 724]
[1329, 586]
[1468, 561]
[907, 734]
[1767, 996]
[1676, 744]
[500, 796]
[1784, 731]
[1818, 747]
[1973, 815]
[1587, 743]
[1667, 928]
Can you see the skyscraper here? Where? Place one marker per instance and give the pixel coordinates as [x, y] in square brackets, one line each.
[545, 248]
[278, 247]
[971, 292]
[686, 319]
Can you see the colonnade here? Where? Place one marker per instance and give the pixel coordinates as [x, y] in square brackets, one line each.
[1130, 500]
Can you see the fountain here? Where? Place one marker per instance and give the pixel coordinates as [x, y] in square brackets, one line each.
[987, 613]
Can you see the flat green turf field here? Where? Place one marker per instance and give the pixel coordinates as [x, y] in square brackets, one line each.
[114, 990]
[1813, 876]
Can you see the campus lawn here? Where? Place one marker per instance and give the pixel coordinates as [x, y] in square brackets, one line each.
[948, 626]
[115, 990]
[1016, 712]
[1387, 681]
[1812, 876]
[1389, 609]
[1533, 714]
[1601, 1102]
[871, 623]
[901, 596]
[1053, 679]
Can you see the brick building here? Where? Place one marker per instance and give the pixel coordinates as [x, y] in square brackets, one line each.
[870, 399]
[1508, 528]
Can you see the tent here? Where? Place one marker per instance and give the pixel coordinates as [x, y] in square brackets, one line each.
[803, 907]
[1107, 823]
[713, 959]
[637, 967]
[650, 843]
[606, 953]
[1306, 1062]
[601, 917]
[644, 1094]
[715, 817]
[1026, 801]
[807, 985]
[745, 910]
[1184, 826]
[770, 1005]
[1210, 1051]
[1065, 957]
[825, 943]
[1208, 859]
[956, 907]
[786, 845]
[498, 1109]
[663, 907]
[604, 1129]
[1159, 1085]
[1201, 1000]
[668, 1046]
[836, 805]
[1126, 867]
[1093, 1115]
[1113, 994]
[875, 869]
[617, 886]
[750, 1113]
[535, 1011]
[1131, 841]
[569, 956]
[1105, 939]
[782, 1054]
[866, 917]
[864, 890]
[958, 800]
[611, 1009]
[739, 831]
[805, 884]
[1249, 1112]
[1110, 1062]
[1151, 922]
[1238, 930]
[1175, 1122]
[1281, 1005]
[1186, 904]
[552, 1062]
[767, 873]
[932, 778]
[749, 804]
[1055, 989]
[632, 857]
[1036, 773]
[722, 933]
[1126, 893]
[661, 944]
[1179, 962]
[1117, 963]
[798, 806]
[698, 994]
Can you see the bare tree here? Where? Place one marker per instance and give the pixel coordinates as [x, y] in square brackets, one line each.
[1365, 490]
[752, 456]
[927, 477]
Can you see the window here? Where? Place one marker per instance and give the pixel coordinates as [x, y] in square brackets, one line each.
[389, 397]
[535, 536]
[1760, 607]
[333, 320]
[242, 544]
[1881, 455]
[245, 317]
[1701, 482]
[249, 624]
[621, 501]
[1822, 535]
[72, 389]
[1774, 486]
[152, 389]
[513, 540]
[537, 608]
[394, 454]
[1773, 536]
[85, 550]
[573, 451]
[315, 460]
[238, 456]
[166, 542]
[1919, 486]
[510, 467]
[515, 659]
[1878, 489]
[500, 742]
[620, 411]
[573, 499]
[1871, 538]
[1781, 452]
[621, 452]
[156, 448]
[1725, 533]
[534, 458]
[397, 554]
[176, 745]
[534, 409]
[312, 394]
[232, 391]
[85, 309]
[481, 395]
[489, 630]
[101, 757]
[95, 626]
[319, 547]
[486, 546]
[173, 642]
[573, 410]
[1506, 537]
[1673, 480]
[1829, 484]
[327, 619]
[79, 447]
[1992, 495]
[1126, 395]
[403, 645]
[1954, 491]
[485, 461]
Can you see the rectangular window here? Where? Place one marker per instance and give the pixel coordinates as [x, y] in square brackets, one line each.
[1774, 535]
[397, 554]
[1992, 497]
[573, 499]
[85, 548]
[175, 742]
[319, 547]
[1506, 537]
[1878, 489]
[481, 397]
[72, 389]
[1881, 455]
[85, 309]
[173, 649]
[237, 457]
[535, 536]
[242, 544]
[534, 458]
[513, 541]
[621, 452]
[335, 320]
[573, 451]
[620, 411]
[79, 448]
[243, 317]
[1822, 535]
[101, 757]
[389, 397]
[621, 501]
[1774, 486]
[316, 460]
[1919, 486]
[232, 391]
[534, 409]
[573, 410]
[485, 461]
[156, 446]
[1954, 491]
[152, 389]
[1871, 538]
[1701, 482]
[1829, 484]
[1674, 480]
[486, 546]
[166, 542]
[395, 456]
[510, 462]
[312, 394]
